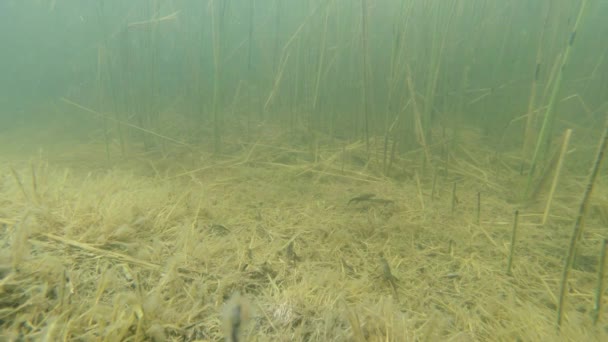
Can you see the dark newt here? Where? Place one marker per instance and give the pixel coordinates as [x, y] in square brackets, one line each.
[369, 197]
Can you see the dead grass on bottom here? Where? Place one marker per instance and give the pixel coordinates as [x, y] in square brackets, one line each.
[151, 249]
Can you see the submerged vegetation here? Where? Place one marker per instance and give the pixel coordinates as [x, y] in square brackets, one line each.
[316, 170]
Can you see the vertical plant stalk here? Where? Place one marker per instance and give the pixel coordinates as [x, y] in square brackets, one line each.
[530, 119]
[365, 75]
[435, 66]
[277, 27]
[19, 183]
[285, 53]
[545, 131]
[434, 185]
[296, 86]
[108, 75]
[397, 71]
[319, 68]
[578, 223]
[454, 198]
[513, 239]
[35, 195]
[127, 80]
[250, 65]
[419, 187]
[100, 98]
[558, 169]
[392, 158]
[153, 116]
[464, 85]
[389, 130]
[398, 60]
[597, 309]
[420, 133]
[250, 42]
[216, 38]
[478, 211]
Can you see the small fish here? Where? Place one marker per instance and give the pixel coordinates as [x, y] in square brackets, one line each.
[389, 277]
[348, 268]
[371, 198]
[361, 198]
[219, 229]
[291, 253]
[235, 315]
[235, 323]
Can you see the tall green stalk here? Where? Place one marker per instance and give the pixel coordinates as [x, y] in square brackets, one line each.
[577, 229]
[216, 38]
[320, 66]
[547, 127]
[364, 61]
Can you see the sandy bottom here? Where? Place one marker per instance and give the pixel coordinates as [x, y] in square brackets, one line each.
[273, 243]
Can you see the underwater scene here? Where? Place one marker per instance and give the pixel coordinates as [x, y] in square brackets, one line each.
[303, 170]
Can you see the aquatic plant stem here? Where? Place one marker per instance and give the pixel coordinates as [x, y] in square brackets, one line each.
[545, 130]
[597, 309]
[513, 239]
[578, 224]
[419, 128]
[530, 119]
[478, 211]
[558, 169]
[364, 61]
[453, 207]
[216, 28]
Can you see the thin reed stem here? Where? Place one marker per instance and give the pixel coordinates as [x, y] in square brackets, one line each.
[513, 239]
[558, 169]
[578, 224]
